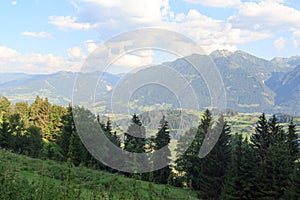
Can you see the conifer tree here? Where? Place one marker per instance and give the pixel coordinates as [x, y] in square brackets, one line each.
[40, 113]
[293, 141]
[135, 136]
[293, 190]
[261, 138]
[214, 165]
[6, 138]
[240, 176]
[5, 107]
[276, 170]
[135, 141]
[68, 128]
[162, 140]
[189, 162]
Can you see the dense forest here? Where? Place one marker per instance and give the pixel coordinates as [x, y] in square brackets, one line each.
[264, 165]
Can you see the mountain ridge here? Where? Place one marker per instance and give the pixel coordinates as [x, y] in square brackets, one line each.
[252, 84]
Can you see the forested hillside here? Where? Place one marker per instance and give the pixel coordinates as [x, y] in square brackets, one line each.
[263, 164]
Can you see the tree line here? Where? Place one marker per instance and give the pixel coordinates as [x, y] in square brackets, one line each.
[264, 165]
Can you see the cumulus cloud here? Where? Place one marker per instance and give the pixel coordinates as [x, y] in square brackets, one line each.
[135, 59]
[216, 3]
[76, 53]
[266, 15]
[295, 43]
[90, 45]
[68, 22]
[279, 43]
[36, 35]
[252, 21]
[14, 61]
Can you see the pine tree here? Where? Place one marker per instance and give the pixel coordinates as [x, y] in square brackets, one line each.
[5, 107]
[18, 130]
[293, 190]
[6, 138]
[240, 176]
[188, 162]
[162, 140]
[40, 112]
[33, 141]
[261, 139]
[135, 136]
[68, 128]
[22, 108]
[276, 170]
[214, 165]
[135, 142]
[293, 141]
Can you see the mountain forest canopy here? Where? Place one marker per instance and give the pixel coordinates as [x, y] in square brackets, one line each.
[260, 165]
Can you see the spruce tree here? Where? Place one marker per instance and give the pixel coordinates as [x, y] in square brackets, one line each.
[240, 176]
[293, 190]
[135, 136]
[293, 141]
[6, 137]
[261, 138]
[135, 141]
[68, 128]
[161, 140]
[188, 163]
[276, 170]
[214, 165]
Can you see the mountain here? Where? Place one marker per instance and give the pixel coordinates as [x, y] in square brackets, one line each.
[252, 84]
[287, 89]
[58, 87]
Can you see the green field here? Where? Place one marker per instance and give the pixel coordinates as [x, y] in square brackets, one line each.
[22, 177]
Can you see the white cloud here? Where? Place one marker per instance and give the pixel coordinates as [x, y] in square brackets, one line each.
[295, 43]
[105, 3]
[14, 3]
[266, 15]
[13, 61]
[123, 15]
[90, 45]
[6, 52]
[37, 35]
[279, 43]
[76, 53]
[216, 3]
[68, 22]
[135, 59]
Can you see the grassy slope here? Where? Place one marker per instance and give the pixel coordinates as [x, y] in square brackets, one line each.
[23, 176]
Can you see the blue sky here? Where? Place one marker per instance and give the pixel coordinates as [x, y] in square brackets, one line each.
[43, 36]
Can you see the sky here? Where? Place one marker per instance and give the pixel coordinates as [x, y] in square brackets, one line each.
[46, 36]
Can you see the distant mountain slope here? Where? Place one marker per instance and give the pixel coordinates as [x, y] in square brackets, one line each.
[252, 84]
[287, 89]
[58, 87]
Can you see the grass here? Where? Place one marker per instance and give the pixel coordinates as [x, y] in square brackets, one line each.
[22, 177]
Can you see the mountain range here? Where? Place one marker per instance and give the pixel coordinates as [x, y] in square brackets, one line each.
[252, 84]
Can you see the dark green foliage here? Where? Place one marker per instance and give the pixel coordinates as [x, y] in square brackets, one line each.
[6, 138]
[214, 165]
[293, 190]
[276, 171]
[293, 141]
[33, 142]
[67, 130]
[161, 142]
[5, 106]
[135, 136]
[22, 108]
[261, 138]
[40, 112]
[240, 180]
